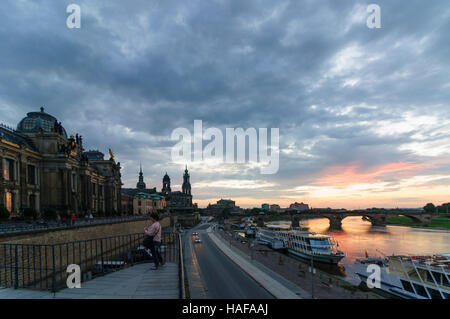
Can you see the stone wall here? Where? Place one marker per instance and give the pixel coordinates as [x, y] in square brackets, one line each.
[82, 232]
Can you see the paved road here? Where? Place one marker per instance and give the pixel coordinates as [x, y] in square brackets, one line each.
[220, 277]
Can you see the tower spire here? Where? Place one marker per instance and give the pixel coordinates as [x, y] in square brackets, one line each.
[141, 184]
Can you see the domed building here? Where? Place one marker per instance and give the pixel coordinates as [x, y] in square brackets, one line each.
[42, 167]
[36, 122]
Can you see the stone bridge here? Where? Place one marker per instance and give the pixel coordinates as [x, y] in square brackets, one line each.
[377, 218]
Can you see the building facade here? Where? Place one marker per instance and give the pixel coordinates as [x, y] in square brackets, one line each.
[145, 204]
[127, 204]
[44, 168]
[299, 207]
[173, 201]
[223, 205]
[274, 208]
[178, 200]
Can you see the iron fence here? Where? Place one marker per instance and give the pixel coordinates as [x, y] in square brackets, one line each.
[44, 266]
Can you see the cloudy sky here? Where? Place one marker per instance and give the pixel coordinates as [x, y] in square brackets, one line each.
[363, 113]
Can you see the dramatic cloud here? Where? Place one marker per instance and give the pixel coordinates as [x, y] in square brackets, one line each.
[363, 113]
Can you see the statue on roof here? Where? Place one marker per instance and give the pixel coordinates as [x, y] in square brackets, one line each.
[111, 154]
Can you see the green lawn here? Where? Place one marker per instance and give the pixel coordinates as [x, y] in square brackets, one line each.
[443, 222]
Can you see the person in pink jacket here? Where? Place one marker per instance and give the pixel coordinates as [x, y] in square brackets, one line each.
[154, 232]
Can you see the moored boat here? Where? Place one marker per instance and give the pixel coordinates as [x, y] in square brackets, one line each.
[303, 244]
[411, 277]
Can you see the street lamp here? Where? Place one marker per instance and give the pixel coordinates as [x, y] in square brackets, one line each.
[313, 271]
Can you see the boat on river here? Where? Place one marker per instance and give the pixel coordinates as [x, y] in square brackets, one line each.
[301, 243]
[410, 277]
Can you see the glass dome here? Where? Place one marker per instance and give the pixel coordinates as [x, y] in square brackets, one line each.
[38, 120]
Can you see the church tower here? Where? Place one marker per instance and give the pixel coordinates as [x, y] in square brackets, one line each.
[186, 183]
[141, 184]
[166, 185]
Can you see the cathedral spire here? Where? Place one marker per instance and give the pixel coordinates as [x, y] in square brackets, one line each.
[141, 184]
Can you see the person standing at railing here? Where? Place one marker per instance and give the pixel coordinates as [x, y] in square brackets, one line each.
[153, 240]
[74, 218]
[91, 218]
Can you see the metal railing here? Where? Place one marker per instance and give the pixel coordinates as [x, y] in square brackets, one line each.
[20, 227]
[44, 266]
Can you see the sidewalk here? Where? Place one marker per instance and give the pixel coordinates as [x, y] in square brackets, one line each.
[137, 282]
[271, 281]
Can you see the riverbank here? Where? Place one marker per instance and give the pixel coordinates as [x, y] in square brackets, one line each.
[439, 223]
[326, 286]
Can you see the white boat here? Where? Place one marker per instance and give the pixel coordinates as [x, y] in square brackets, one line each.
[250, 231]
[304, 244]
[411, 277]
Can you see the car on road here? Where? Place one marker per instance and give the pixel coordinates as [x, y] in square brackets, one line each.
[197, 240]
[195, 234]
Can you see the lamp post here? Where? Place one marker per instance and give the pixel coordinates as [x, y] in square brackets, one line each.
[312, 270]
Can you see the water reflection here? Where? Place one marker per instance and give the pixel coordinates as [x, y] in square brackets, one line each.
[358, 236]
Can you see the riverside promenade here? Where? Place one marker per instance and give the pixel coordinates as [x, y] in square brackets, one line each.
[136, 282]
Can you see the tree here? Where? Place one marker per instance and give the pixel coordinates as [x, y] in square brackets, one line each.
[444, 208]
[225, 212]
[430, 208]
[30, 213]
[4, 213]
[50, 214]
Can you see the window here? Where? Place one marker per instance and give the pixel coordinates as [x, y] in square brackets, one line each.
[31, 175]
[32, 201]
[28, 124]
[434, 293]
[407, 286]
[9, 201]
[437, 277]
[74, 181]
[94, 188]
[445, 281]
[420, 290]
[8, 169]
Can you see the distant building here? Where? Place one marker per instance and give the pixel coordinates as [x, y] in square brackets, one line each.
[178, 201]
[228, 203]
[222, 205]
[127, 204]
[145, 204]
[141, 187]
[275, 208]
[265, 207]
[299, 207]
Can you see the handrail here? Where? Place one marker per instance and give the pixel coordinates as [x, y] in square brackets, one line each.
[181, 269]
[43, 266]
